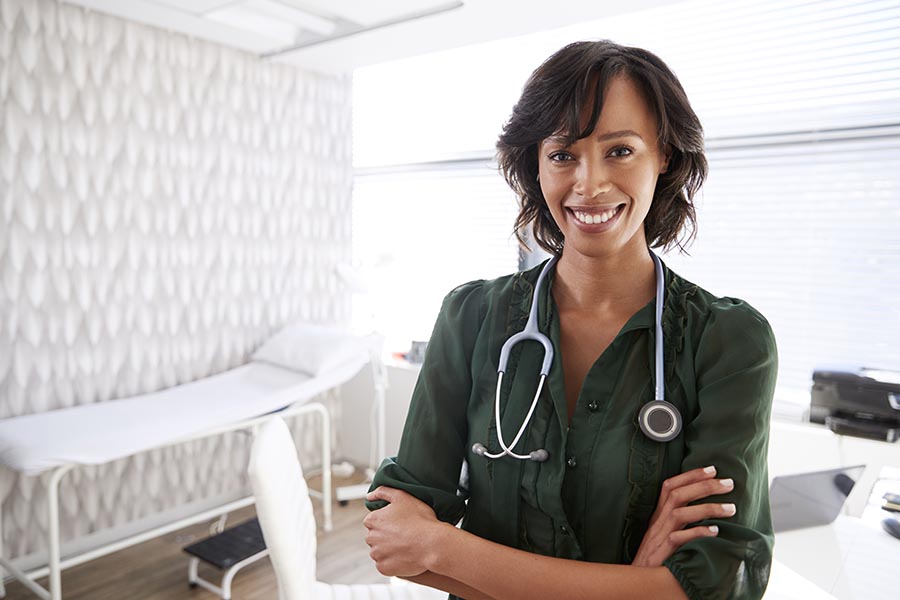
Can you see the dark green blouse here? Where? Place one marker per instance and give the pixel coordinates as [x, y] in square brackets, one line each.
[593, 498]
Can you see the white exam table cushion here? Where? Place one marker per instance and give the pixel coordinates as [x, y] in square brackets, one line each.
[311, 349]
[106, 431]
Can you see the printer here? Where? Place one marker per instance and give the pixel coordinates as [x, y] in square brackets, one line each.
[857, 401]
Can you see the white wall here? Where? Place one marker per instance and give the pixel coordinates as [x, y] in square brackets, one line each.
[165, 205]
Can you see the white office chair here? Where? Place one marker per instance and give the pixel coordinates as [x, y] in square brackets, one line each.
[285, 514]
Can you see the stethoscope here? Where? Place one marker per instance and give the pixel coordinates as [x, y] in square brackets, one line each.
[659, 420]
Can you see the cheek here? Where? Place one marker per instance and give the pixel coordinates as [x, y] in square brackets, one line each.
[554, 189]
[642, 182]
[551, 195]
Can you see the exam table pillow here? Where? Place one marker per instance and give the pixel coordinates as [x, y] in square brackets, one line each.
[311, 349]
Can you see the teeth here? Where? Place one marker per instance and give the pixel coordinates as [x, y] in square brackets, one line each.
[589, 219]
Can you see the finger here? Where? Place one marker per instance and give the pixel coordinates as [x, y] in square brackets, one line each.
[686, 478]
[374, 494]
[683, 536]
[382, 492]
[699, 512]
[701, 489]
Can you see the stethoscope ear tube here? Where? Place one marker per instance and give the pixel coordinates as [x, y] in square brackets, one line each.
[539, 455]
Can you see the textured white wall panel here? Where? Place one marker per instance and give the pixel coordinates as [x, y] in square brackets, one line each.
[165, 205]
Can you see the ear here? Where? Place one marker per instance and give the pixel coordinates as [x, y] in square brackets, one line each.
[667, 155]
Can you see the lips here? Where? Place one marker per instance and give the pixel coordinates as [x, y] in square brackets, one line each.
[594, 219]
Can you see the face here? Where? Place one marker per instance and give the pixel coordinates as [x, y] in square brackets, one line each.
[599, 189]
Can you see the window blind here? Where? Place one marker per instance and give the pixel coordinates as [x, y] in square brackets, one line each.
[800, 101]
[808, 234]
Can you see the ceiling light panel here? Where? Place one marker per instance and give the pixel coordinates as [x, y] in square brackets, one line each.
[195, 7]
[278, 21]
[303, 19]
[368, 12]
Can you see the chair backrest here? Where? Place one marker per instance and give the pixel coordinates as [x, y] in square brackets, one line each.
[284, 509]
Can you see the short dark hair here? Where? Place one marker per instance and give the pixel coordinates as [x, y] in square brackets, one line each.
[552, 102]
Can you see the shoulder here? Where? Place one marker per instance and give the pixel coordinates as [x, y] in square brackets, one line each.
[487, 292]
[724, 319]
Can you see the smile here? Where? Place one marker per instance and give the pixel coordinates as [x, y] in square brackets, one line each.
[593, 216]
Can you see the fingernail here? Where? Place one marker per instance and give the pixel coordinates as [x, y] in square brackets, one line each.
[709, 469]
[729, 508]
[714, 529]
[727, 482]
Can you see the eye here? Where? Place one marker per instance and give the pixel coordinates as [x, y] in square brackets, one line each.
[621, 151]
[559, 156]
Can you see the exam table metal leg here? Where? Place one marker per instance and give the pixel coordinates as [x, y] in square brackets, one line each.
[327, 492]
[326, 466]
[2, 585]
[25, 580]
[53, 551]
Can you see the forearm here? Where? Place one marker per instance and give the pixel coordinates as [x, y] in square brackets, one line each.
[502, 572]
[448, 585]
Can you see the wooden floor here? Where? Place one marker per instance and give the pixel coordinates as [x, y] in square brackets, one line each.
[157, 569]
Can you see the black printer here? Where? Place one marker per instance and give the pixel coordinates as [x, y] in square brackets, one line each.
[857, 401]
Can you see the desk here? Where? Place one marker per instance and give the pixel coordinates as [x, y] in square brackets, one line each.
[787, 584]
[852, 558]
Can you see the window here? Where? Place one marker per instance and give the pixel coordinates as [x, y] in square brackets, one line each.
[420, 232]
[800, 101]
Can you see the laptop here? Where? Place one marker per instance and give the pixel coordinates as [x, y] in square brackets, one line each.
[811, 499]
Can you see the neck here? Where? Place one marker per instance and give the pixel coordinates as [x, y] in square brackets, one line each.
[587, 283]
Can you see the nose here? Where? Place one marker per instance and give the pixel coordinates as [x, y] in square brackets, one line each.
[592, 179]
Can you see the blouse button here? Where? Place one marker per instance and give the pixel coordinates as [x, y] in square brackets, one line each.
[592, 406]
[564, 529]
[572, 462]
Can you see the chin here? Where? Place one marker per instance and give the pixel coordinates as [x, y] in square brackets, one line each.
[604, 247]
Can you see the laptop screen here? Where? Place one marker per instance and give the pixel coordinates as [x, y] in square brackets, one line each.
[811, 499]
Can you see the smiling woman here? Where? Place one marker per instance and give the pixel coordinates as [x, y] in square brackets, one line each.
[604, 182]
[605, 154]
[647, 117]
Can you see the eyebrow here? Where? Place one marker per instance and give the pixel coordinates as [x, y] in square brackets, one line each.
[621, 133]
[561, 139]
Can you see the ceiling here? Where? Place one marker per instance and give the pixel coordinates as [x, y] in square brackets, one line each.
[340, 35]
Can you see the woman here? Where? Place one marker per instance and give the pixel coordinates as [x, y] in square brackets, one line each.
[606, 156]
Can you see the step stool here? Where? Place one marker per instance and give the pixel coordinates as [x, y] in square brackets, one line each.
[229, 551]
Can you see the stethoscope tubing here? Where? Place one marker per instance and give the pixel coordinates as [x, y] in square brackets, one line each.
[532, 332]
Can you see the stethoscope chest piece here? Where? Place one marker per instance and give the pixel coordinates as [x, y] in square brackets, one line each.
[660, 421]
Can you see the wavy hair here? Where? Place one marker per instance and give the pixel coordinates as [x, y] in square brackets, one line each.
[553, 101]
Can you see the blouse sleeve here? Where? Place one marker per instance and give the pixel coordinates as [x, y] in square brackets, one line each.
[736, 365]
[432, 447]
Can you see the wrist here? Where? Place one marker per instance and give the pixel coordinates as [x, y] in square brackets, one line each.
[438, 542]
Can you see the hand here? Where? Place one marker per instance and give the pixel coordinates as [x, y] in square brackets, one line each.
[402, 534]
[666, 532]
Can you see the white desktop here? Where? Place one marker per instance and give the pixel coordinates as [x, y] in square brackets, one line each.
[850, 559]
